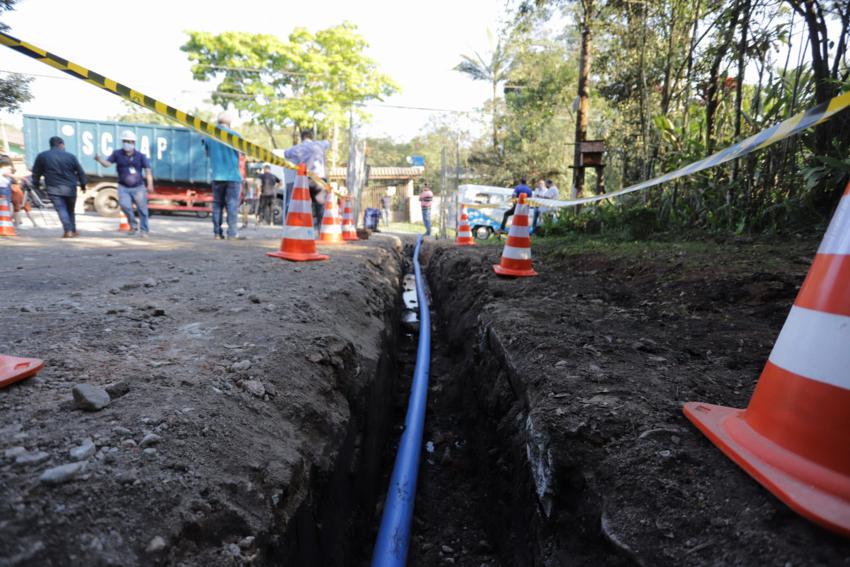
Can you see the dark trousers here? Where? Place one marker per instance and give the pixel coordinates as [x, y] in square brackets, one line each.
[508, 213]
[64, 206]
[266, 208]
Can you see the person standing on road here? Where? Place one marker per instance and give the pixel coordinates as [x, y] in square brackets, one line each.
[226, 181]
[426, 197]
[6, 169]
[269, 182]
[521, 189]
[62, 172]
[313, 155]
[386, 204]
[131, 166]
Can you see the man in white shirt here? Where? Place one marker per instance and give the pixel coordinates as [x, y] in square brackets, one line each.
[539, 193]
[549, 192]
[313, 154]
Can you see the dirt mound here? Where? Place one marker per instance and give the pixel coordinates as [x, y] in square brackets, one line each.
[578, 377]
[239, 428]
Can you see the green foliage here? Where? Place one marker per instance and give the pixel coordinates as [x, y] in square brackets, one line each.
[310, 80]
[14, 91]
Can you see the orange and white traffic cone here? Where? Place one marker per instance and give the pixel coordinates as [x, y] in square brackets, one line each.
[349, 232]
[124, 226]
[7, 228]
[464, 234]
[516, 255]
[299, 239]
[794, 437]
[331, 230]
[14, 369]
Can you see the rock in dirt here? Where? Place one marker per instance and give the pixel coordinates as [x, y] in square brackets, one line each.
[254, 387]
[241, 365]
[85, 450]
[149, 282]
[254, 299]
[90, 398]
[34, 458]
[62, 473]
[234, 550]
[156, 545]
[121, 430]
[118, 389]
[246, 542]
[150, 439]
[14, 452]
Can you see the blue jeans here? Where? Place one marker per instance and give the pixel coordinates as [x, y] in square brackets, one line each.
[426, 218]
[139, 195]
[534, 218]
[65, 209]
[225, 195]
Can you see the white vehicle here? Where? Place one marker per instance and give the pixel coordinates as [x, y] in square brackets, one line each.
[485, 206]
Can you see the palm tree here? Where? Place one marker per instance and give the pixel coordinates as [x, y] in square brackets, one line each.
[494, 69]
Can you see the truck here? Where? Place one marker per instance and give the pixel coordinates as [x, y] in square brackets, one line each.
[181, 168]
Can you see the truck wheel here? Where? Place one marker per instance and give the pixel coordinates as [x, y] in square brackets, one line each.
[481, 232]
[106, 202]
[202, 214]
[277, 211]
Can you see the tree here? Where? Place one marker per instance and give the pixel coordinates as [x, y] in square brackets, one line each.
[307, 81]
[494, 69]
[14, 91]
[6, 6]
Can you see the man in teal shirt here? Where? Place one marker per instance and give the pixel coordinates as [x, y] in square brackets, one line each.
[226, 181]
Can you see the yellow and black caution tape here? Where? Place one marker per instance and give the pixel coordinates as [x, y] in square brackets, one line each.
[775, 133]
[236, 142]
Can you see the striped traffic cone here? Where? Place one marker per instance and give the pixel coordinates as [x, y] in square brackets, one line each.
[464, 234]
[299, 241]
[331, 231]
[349, 232]
[7, 228]
[794, 437]
[14, 369]
[516, 255]
[124, 226]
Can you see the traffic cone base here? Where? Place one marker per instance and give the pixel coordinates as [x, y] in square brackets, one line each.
[14, 369]
[124, 225]
[299, 238]
[794, 437]
[7, 227]
[516, 255]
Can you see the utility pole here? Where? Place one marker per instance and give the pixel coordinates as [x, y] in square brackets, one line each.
[443, 183]
[583, 96]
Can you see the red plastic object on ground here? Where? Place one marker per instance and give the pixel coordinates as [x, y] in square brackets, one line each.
[794, 437]
[14, 369]
[516, 255]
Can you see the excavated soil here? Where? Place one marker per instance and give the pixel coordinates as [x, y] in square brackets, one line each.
[572, 385]
[265, 382]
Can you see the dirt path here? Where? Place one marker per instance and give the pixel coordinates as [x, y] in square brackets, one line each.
[241, 385]
[578, 377]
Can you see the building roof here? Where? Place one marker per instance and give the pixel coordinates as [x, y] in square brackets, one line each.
[401, 173]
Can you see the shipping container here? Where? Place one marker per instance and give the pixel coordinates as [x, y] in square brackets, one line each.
[180, 166]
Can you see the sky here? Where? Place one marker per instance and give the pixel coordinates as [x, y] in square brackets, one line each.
[417, 44]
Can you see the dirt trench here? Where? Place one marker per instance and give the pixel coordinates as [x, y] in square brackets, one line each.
[567, 391]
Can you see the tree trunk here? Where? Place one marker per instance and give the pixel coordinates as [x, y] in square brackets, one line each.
[739, 100]
[583, 95]
[495, 124]
[689, 73]
[712, 99]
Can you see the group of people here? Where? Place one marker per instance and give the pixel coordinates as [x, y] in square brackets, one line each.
[544, 189]
[62, 174]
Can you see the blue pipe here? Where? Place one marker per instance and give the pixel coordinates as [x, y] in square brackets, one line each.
[394, 534]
